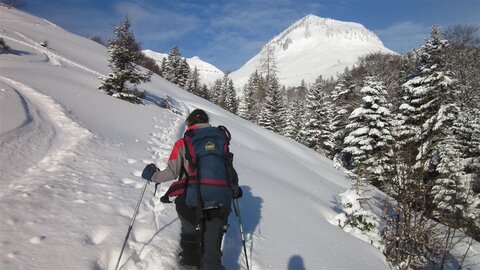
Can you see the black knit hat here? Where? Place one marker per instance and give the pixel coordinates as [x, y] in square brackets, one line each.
[196, 117]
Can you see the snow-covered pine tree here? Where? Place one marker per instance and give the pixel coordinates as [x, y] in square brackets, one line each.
[302, 89]
[171, 65]
[473, 153]
[311, 129]
[222, 98]
[471, 136]
[216, 92]
[456, 203]
[192, 84]
[370, 139]
[273, 115]
[328, 143]
[430, 89]
[175, 67]
[356, 219]
[125, 73]
[250, 102]
[294, 120]
[183, 73]
[450, 189]
[231, 102]
[454, 200]
[259, 87]
[204, 92]
[343, 100]
[245, 107]
[163, 67]
[316, 130]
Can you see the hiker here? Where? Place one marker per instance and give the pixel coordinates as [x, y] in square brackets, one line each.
[203, 218]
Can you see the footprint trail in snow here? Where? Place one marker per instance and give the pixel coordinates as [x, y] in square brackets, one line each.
[153, 241]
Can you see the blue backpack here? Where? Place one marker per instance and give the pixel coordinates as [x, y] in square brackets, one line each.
[210, 168]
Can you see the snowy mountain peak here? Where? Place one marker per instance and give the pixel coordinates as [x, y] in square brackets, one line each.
[314, 27]
[313, 46]
[208, 72]
[155, 55]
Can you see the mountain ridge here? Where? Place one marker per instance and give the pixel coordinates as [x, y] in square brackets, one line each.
[332, 26]
[208, 73]
[313, 46]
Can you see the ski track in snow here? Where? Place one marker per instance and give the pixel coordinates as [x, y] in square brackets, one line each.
[48, 122]
[146, 248]
[51, 57]
[54, 148]
[58, 139]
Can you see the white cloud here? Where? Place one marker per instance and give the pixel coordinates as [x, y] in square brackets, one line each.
[404, 36]
[239, 31]
[157, 24]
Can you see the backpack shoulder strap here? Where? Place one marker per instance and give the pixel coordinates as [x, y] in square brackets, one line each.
[232, 177]
[187, 145]
[226, 133]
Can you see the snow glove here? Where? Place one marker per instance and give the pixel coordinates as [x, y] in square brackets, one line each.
[237, 193]
[149, 171]
[165, 199]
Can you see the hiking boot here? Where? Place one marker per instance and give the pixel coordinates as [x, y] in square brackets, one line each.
[187, 262]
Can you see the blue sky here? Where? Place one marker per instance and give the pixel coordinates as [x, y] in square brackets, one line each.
[228, 33]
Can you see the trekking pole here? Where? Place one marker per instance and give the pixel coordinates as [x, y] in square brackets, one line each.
[237, 213]
[131, 224]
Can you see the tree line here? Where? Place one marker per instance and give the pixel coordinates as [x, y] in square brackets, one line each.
[406, 124]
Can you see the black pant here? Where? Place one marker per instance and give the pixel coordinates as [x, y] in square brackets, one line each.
[215, 221]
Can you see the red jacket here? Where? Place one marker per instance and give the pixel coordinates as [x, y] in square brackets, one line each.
[175, 162]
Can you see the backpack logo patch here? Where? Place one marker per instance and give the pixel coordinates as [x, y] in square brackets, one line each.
[210, 146]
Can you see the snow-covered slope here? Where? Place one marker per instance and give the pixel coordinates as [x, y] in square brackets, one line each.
[208, 72]
[311, 47]
[71, 159]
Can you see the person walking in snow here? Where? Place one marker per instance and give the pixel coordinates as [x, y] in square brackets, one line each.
[204, 190]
